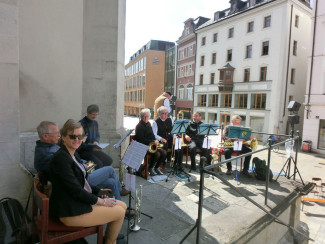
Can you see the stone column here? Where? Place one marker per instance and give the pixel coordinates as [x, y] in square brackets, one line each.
[103, 67]
[14, 181]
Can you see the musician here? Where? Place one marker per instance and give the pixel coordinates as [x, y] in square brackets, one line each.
[90, 126]
[162, 100]
[195, 141]
[162, 127]
[235, 120]
[145, 135]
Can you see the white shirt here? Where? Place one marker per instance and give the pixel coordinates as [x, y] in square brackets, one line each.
[167, 105]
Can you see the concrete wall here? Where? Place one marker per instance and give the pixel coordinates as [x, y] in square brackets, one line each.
[14, 182]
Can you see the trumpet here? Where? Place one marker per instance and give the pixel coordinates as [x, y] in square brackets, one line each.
[138, 198]
[230, 144]
[153, 148]
[90, 166]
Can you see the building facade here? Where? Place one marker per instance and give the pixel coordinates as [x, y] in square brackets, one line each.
[145, 76]
[314, 119]
[186, 67]
[252, 60]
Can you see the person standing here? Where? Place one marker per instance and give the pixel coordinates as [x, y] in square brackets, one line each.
[162, 100]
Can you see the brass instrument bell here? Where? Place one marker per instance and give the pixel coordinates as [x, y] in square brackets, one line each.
[153, 148]
[90, 166]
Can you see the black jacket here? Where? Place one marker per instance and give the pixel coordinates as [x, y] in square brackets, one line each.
[144, 133]
[69, 198]
[192, 130]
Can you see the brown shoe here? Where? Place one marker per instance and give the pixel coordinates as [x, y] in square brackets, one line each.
[246, 173]
[124, 192]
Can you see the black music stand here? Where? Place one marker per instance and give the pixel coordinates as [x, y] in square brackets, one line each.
[179, 128]
[208, 129]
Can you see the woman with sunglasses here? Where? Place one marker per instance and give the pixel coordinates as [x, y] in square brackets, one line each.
[73, 200]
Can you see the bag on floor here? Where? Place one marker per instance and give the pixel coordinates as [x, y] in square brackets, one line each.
[260, 169]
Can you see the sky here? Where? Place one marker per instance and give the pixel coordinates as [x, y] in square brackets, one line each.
[162, 19]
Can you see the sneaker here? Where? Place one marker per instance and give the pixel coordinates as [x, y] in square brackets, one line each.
[246, 173]
[158, 171]
[229, 172]
[124, 192]
[152, 172]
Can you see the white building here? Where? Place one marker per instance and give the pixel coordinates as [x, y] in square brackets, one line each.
[314, 120]
[252, 60]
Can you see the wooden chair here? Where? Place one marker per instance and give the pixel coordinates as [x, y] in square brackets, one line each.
[318, 186]
[50, 229]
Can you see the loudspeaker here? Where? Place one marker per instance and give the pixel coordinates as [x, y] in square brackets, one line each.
[293, 119]
[293, 106]
[173, 98]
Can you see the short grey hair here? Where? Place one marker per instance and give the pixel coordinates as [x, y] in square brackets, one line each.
[93, 108]
[143, 111]
[43, 127]
[236, 117]
[160, 109]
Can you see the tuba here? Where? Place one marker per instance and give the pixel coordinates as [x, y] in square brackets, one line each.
[153, 148]
[138, 197]
[90, 166]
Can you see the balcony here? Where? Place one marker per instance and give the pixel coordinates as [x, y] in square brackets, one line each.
[225, 86]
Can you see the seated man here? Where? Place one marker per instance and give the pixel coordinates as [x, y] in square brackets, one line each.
[90, 126]
[161, 128]
[49, 135]
[235, 120]
[195, 141]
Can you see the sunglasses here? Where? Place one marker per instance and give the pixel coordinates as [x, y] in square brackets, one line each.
[73, 137]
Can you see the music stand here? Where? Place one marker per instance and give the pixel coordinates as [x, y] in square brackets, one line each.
[179, 128]
[208, 129]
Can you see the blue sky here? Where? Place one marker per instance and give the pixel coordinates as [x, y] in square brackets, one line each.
[162, 20]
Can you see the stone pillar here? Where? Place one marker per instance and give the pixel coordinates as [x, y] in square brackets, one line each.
[14, 181]
[103, 67]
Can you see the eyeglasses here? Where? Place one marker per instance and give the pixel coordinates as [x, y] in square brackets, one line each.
[165, 113]
[73, 137]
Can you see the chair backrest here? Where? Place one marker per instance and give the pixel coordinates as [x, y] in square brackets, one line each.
[41, 204]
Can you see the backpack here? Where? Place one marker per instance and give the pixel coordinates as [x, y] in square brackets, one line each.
[260, 169]
[15, 225]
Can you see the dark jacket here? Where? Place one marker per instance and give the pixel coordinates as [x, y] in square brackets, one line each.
[69, 198]
[164, 128]
[91, 129]
[144, 133]
[192, 130]
[43, 153]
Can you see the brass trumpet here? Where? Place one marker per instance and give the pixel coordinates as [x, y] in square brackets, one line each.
[153, 148]
[90, 166]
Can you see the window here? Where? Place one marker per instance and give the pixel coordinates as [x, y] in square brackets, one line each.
[202, 101]
[189, 70]
[189, 92]
[293, 76]
[139, 81]
[265, 48]
[213, 59]
[241, 101]
[263, 73]
[212, 78]
[290, 98]
[297, 21]
[181, 73]
[258, 101]
[294, 51]
[226, 100]
[321, 134]
[140, 96]
[181, 92]
[246, 74]
[202, 61]
[134, 82]
[187, 31]
[267, 21]
[143, 93]
[250, 26]
[201, 79]
[231, 33]
[249, 49]
[135, 96]
[229, 55]
[226, 75]
[190, 51]
[143, 79]
[215, 37]
[203, 41]
[213, 100]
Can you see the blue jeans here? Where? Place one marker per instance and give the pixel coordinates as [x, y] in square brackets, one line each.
[106, 178]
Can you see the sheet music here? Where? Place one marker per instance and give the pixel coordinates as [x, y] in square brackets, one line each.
[130, 182]
[122, 139]
[103, 145]
[178, 143]
[134, 156]
[238, 145]
[206, 143]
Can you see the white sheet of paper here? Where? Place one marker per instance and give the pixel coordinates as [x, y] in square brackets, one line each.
[134, 155]
[103, 145]
[206, 143]
[238, 145]
[178, 143]
[130, 182]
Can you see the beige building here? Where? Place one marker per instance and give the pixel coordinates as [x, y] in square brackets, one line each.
[56, 57]
[144, 77]
[314, 117]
